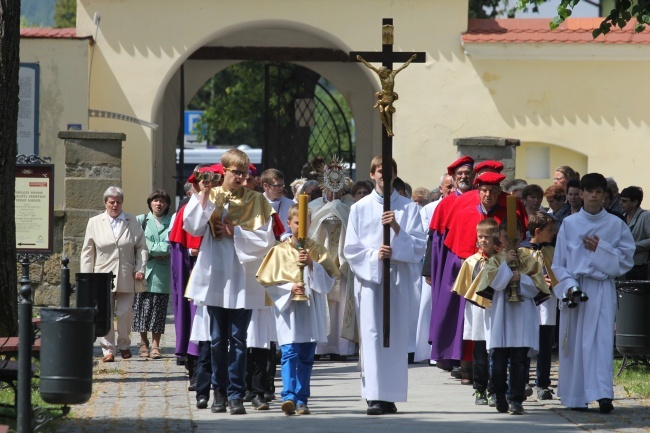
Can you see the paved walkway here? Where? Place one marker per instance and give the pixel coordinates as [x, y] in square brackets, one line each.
[142, 395]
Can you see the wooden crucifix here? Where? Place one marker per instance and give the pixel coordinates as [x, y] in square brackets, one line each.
[385, 99]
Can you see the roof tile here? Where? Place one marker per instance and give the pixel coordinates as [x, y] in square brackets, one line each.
[50, 33]
[537, 30]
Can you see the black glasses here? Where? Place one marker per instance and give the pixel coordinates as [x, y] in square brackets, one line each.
[236, 173]
[276, 185]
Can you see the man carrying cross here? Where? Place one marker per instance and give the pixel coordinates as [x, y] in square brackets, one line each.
[381, 257]
[384, 369]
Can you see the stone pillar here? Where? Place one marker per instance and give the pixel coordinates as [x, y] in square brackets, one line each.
[93, 162]
[494, 148]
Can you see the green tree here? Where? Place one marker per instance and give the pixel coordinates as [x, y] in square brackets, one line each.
[232, 102]
[622, 13]
[9, 66]
[65, 14]
[499, 8]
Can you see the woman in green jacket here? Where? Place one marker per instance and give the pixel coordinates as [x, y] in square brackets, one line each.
[150, 307]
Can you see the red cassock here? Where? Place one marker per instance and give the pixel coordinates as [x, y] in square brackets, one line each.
[441, 215]
[466, 214]
[180, 236]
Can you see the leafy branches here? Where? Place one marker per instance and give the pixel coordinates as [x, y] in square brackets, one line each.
[500, 8]
[623, 12]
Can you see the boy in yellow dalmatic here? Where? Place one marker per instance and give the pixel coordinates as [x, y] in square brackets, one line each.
[300, 323]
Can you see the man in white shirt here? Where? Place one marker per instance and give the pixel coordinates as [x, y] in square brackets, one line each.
[273, 184]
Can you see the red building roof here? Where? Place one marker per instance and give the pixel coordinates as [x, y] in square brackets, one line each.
[536, 30]
[49, 33]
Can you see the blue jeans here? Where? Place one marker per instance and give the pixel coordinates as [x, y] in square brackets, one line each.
[518, 364]
[297, 363]
[204, 370]
[228, 330]
[546, 336]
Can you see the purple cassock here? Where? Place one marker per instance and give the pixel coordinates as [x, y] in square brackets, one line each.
[182, 264]
[446, 329]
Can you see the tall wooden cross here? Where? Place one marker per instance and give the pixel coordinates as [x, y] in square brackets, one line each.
[385, 99]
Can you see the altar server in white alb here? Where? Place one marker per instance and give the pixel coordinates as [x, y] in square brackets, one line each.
[593, 247]
[384, 369]
[236, 225]
[301, 324]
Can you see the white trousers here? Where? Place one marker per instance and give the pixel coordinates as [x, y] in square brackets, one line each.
[122, 307]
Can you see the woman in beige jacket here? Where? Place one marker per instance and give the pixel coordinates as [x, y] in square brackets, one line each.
[115, 243]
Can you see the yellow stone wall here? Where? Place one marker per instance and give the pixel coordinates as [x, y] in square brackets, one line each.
[586, 102]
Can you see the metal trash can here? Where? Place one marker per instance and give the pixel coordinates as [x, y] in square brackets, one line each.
[633, 318]
[67, 336]
[94, 291]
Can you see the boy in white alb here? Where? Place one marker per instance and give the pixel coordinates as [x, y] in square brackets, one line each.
[512, 327]
[385, 369]
[236, 225]
[593, 247]
[300, 324]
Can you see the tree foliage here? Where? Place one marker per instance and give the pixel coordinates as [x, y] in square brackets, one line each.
[65, 14]
[232, 102]
[9, 67]
[500, 8]
[623, 13]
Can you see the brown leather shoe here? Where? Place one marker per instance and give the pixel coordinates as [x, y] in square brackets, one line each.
[126, 354]
[108, 358]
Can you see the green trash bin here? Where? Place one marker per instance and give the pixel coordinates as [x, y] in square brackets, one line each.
[632, 318]
[67, 336]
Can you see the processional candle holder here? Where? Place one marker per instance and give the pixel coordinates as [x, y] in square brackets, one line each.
[513, 233]
[513, 286]
[303, 217]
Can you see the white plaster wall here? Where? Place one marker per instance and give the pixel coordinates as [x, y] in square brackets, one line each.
[63, 96]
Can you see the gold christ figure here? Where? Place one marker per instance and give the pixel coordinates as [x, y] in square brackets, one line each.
[386, 96]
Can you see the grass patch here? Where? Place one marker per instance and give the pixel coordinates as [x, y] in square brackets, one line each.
[634, 380]
[8, 410]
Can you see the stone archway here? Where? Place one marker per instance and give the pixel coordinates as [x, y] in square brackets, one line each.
[323, 55]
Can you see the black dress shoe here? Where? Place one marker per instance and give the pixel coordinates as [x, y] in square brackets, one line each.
[219, 403]
[374, 408]
[247, 396]
[456, 373]
[259, 403]
[237, 407]
[201, 402]
[502, 404]
[388, 406]
[606, 405]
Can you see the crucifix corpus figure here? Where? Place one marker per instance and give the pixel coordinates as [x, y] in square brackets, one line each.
[386, 96]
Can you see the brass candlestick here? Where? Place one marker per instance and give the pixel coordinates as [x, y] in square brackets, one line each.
[513, 287]
[301, 245]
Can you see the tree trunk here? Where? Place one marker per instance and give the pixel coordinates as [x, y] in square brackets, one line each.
[9, 66]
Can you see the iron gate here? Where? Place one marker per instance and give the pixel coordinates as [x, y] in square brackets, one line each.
[302, 120]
